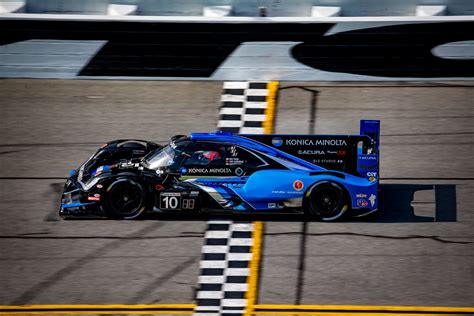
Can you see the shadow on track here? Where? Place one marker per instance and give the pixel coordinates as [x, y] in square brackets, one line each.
[396, 203]
[395, 206]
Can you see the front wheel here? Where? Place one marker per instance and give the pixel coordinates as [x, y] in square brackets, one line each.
[126, 198]
[326, 200]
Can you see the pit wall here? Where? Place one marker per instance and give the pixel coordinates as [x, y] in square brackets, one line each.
[237, 48]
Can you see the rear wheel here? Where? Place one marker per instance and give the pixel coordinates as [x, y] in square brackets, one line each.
[326, 200]
[126, 198]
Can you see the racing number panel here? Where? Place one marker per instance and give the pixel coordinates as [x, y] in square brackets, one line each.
[179, 201]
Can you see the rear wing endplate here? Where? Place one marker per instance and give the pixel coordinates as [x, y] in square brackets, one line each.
[368, 157]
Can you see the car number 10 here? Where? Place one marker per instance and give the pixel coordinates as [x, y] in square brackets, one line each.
[173, 201]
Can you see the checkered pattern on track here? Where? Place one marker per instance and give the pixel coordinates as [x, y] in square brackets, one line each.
[243, 107]
[224, 268]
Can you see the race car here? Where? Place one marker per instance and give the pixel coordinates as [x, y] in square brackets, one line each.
[325, 177]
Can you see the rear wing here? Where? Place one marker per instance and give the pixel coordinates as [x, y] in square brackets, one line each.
[353, 154]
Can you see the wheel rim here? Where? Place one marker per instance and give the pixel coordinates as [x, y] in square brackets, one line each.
[327, 201]
[126, 197]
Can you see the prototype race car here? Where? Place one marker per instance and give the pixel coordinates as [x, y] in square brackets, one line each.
[323, 176]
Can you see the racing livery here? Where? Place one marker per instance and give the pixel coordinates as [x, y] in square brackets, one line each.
[323, 176]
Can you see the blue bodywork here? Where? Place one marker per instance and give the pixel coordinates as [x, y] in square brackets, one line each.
[275, 188]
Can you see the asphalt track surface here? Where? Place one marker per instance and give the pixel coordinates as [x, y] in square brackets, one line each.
[418, 252]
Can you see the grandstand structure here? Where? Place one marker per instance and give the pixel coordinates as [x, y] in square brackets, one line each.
[242, 8]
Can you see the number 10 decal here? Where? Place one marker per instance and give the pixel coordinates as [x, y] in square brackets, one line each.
[173, 201]
[170, 201]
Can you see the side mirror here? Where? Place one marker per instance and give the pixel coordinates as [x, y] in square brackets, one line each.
[176, 137]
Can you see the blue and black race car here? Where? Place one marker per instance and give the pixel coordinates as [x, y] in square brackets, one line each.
[323, 176]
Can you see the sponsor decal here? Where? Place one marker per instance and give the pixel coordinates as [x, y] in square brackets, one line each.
[194, 193]
[341, 153]
[100, 170]
[368, 157]
[372, 198]
[159, 187]
[93, 198]
[126, 165]
[361, 195]
[160, 172]
[277, 141]
[272, 205]
[239, 171]
[314, 142]
[372, 175]
[170, 194]
[298, 185]
[362, 203]
[285, 192]
[311, 152]
[183, 170]
[99, 186]
[233, 151]
[278, 192]
[97, 195]
[328, 161]
[234, 162]
[211, 170]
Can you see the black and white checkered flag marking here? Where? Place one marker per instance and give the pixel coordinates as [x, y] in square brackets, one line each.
[225, 268]
[243, 107]
[227, 250]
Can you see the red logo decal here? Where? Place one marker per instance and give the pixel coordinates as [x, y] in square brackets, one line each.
[298, 185]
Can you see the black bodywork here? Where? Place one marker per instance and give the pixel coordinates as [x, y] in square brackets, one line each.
[85, 187]
[89, 191]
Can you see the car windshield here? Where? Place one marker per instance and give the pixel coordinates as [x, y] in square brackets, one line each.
[161, 158]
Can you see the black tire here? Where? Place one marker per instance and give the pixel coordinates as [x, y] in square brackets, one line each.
[326, 201]
[126, 198]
